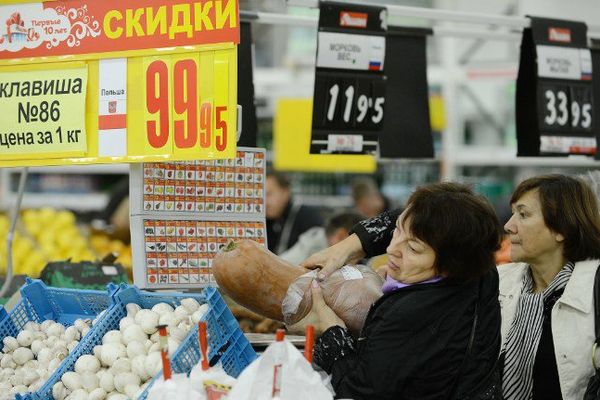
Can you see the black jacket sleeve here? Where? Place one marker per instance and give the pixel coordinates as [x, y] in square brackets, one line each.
[379, 371]
[333, 345]
[375, 234]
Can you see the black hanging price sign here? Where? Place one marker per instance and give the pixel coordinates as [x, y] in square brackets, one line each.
[350, 84]
[245, 91]
[406, 131]
[555, 101]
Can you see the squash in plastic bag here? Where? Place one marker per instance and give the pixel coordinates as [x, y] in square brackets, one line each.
[266, 284]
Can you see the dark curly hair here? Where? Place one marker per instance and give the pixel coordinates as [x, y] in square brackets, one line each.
[460, 226]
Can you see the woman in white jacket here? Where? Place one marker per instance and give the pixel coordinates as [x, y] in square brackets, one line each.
[546, 294]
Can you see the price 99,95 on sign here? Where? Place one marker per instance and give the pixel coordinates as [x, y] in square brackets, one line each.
[175, 111]
[168, 107]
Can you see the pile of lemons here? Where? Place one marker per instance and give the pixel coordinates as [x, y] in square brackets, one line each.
[44, 235]
[47, 234]
[26, 258]
[102, 245]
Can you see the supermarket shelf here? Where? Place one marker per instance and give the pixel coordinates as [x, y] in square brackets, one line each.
[78, 169]
[71, 201]
[495, 156]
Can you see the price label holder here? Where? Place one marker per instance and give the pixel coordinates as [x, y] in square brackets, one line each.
[406, 132]
[350, 83]
[555, 100]
[184, 213]
[146, 80]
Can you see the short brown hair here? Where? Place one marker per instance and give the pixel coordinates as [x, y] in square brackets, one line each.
[460, 226]
[345, 220]
[363, 187]
[282, 180]
[569, 207]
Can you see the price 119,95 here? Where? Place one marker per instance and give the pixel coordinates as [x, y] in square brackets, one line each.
[350, 104]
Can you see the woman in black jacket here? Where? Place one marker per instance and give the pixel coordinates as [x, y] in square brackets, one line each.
[441, 282]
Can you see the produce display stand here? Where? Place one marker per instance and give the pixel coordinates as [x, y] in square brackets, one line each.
[226, 342]
[184, 213]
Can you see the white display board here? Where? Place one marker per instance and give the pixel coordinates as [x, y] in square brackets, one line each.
[183, 213]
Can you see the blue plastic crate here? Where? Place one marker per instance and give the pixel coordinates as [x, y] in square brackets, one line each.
[238, 355]
[235, 354]
[40, 303]
[221, 325]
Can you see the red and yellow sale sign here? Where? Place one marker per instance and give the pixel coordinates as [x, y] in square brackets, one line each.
[87, 27]
[161, 81]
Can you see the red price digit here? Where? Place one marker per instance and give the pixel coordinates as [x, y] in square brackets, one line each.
[185, 101]
[189, 124]
[157, 74]
[205, 125]
[221, 141]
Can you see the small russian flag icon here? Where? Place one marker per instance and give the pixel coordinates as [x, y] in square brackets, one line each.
[374, 66]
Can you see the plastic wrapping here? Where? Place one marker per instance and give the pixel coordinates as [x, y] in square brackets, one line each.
[297, 379]
[206, 380]
[349, 291]
[178, 387]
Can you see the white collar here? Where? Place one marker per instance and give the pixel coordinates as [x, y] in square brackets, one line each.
[579, 294]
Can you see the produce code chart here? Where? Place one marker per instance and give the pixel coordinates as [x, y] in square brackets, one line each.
[184, 213]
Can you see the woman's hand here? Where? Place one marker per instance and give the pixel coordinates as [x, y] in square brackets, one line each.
[382, 272]
[334, 257]
[327, 317]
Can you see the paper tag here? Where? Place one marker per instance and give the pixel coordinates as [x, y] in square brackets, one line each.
[567, 144]
[215, 390]
[109, 270]
[352, 143]
[350, 273]
[563, 63]
[294, 300]
[350, 51]
[112, 108]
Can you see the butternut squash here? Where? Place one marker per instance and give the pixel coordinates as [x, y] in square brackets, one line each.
[264, 283]
[254, 277]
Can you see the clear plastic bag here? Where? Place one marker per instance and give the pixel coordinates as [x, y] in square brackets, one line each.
[297, 379]
[349, 291]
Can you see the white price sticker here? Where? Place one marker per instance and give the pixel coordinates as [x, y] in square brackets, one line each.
[350, 143]
[109, 270]
[350, 273]
[351, 51]
[563, 63]
[567, 144]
